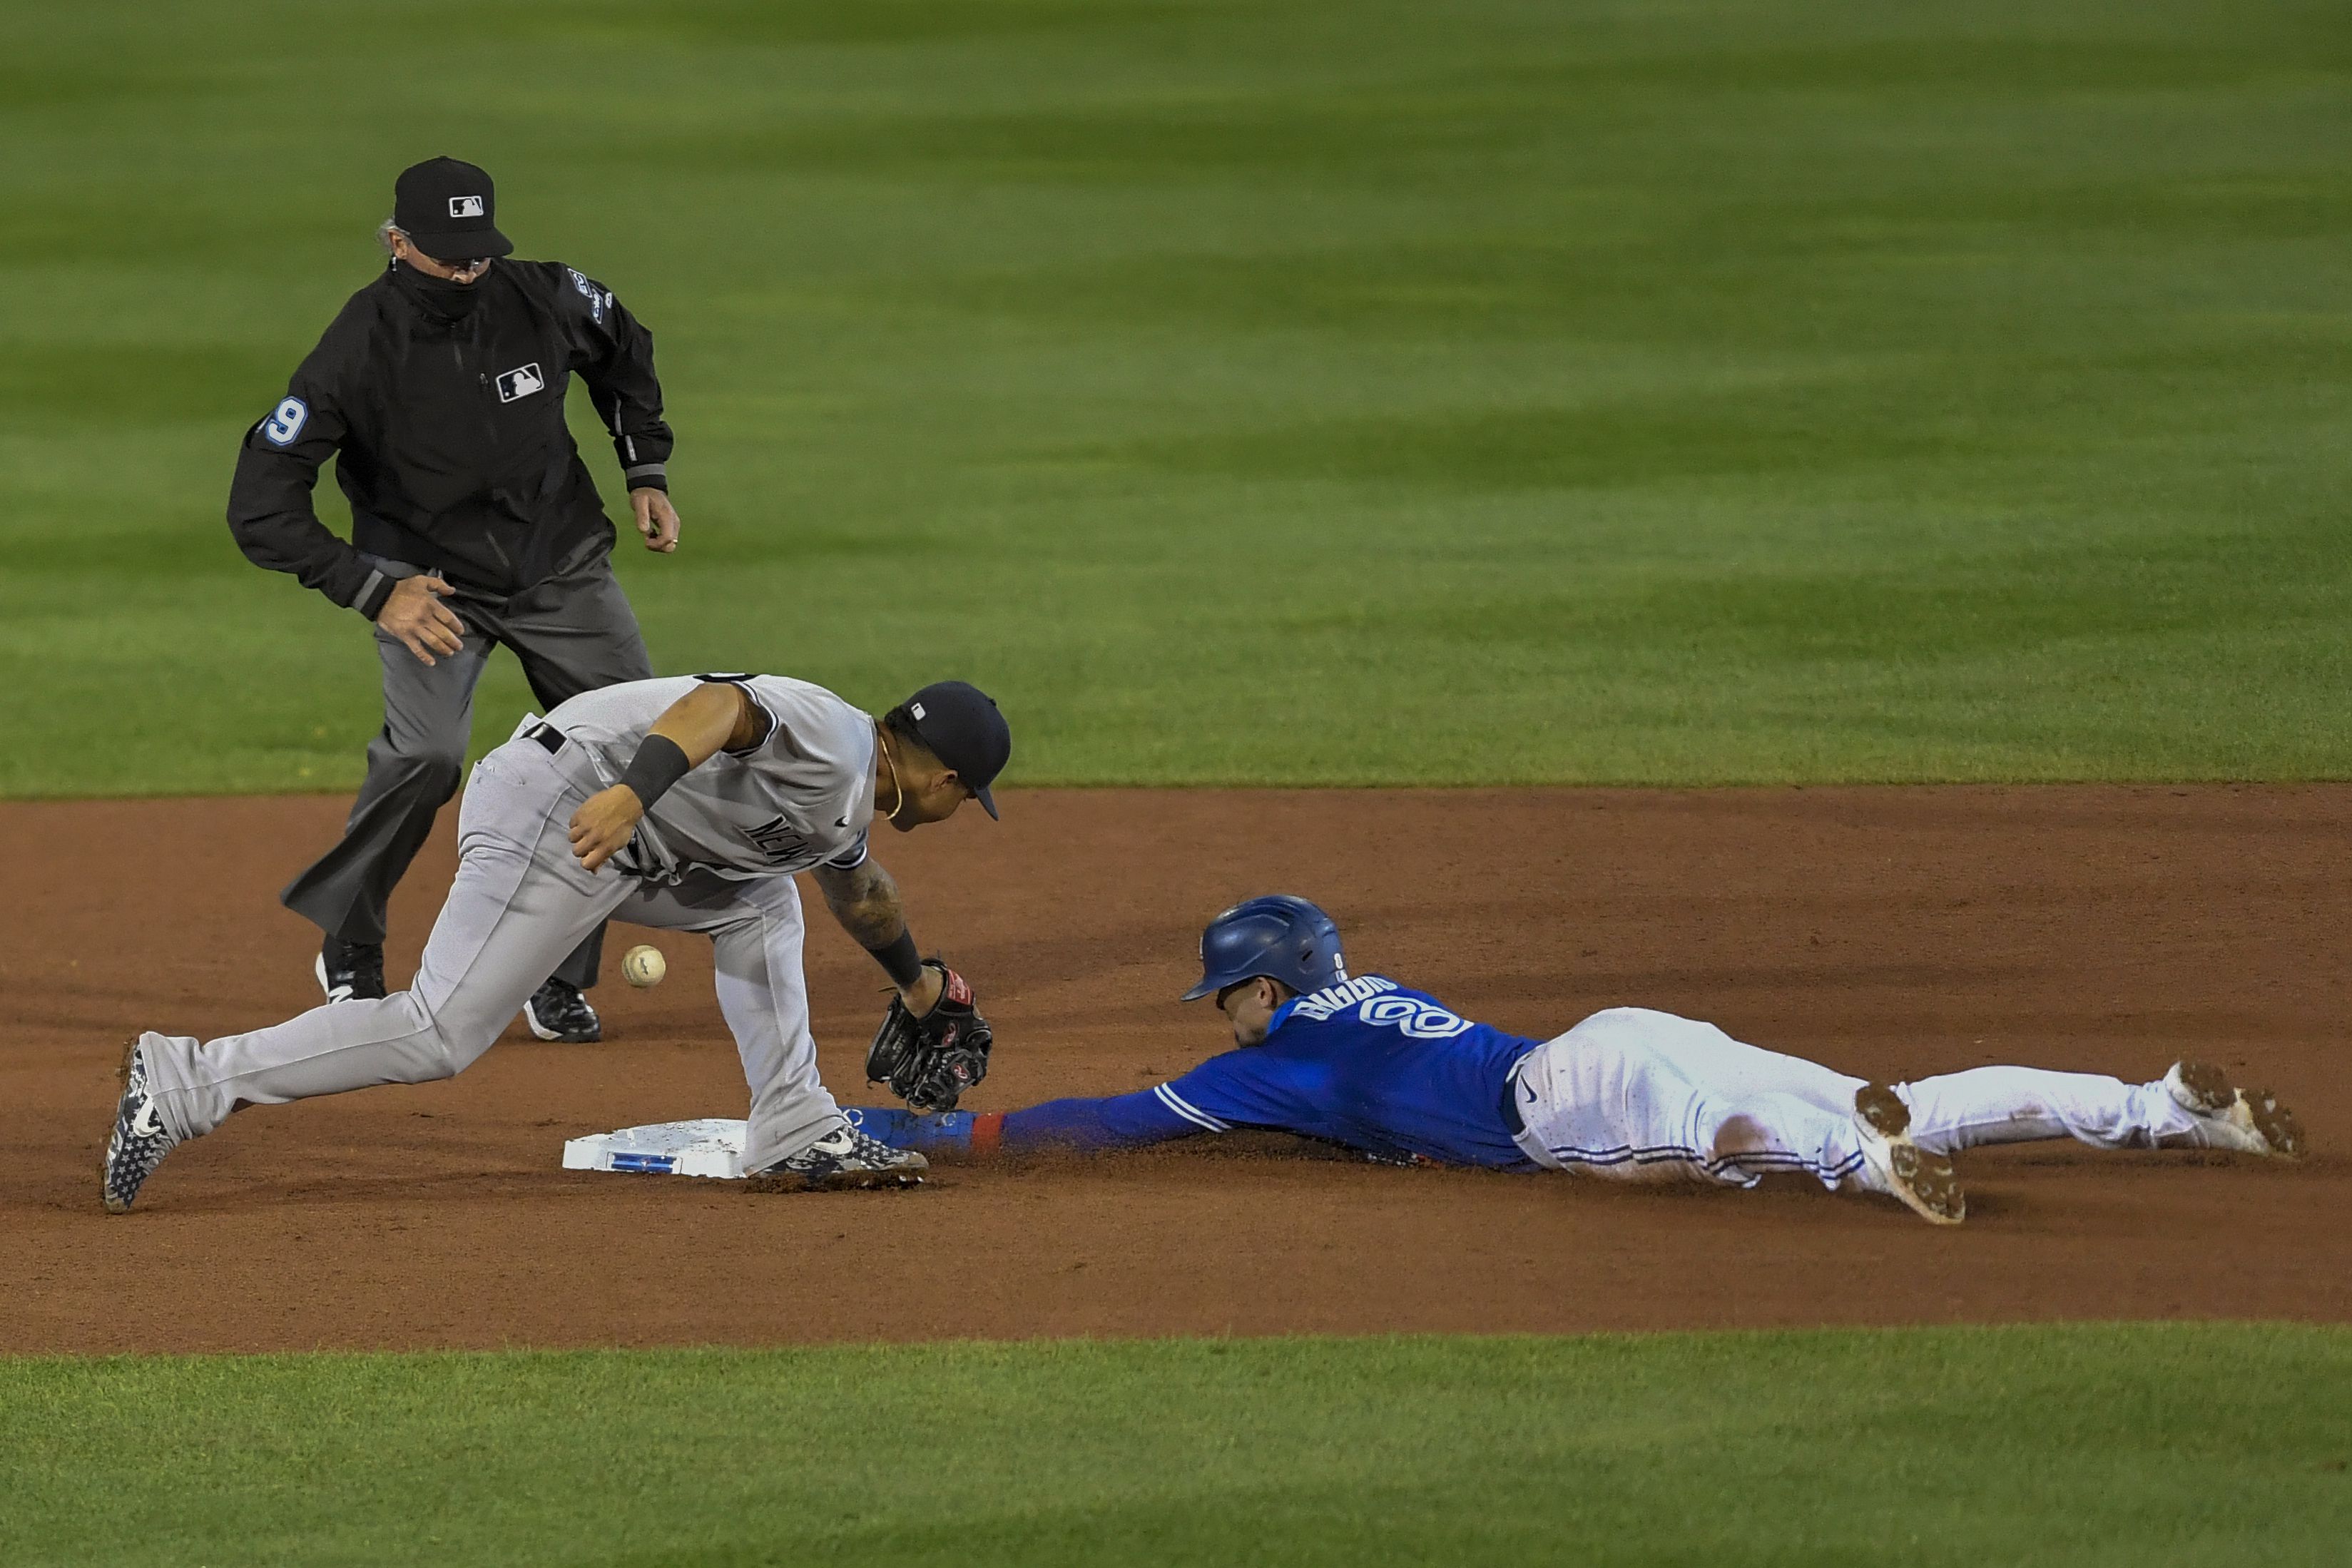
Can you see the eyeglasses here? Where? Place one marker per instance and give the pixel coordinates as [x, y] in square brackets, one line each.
[475, 263]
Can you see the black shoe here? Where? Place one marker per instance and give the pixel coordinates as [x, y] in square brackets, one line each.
[557, 1011]
[845, 1159]
[140, 1141]
[350, 971]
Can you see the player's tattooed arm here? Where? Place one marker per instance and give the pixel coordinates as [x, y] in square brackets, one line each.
[689, 732]
[865, 900]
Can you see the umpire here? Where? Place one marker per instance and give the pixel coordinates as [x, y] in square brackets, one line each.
[439, 390]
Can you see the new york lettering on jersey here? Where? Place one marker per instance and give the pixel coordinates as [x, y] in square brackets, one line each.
[778, 839]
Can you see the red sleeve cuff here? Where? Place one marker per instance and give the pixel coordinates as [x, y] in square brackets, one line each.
[987, 1134]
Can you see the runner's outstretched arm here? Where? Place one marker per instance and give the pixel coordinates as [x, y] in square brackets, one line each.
[1121, 1122]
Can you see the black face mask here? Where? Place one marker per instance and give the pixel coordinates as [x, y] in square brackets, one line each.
[449, 300]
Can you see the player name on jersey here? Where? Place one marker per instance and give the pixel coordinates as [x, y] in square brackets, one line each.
[1347, 994]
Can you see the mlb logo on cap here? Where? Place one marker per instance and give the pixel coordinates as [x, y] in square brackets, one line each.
[449, 210]
[960, 724]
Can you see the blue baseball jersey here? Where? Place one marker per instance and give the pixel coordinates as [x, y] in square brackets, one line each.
[1365, 1063]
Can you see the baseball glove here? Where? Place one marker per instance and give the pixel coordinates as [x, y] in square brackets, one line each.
[930, 1061]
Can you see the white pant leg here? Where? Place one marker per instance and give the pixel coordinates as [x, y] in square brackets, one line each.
[1733, 1069]
[520, 903]
[2018, 1105]
[755, 929]
[1638, 1095]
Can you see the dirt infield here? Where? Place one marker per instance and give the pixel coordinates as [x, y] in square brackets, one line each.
[1888, 931]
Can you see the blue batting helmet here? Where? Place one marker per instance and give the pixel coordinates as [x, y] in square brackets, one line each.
[1278, 936]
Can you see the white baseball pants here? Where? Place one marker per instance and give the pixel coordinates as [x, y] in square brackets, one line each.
[1637, 1095]
[521, 902]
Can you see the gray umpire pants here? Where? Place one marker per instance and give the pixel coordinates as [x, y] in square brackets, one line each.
[573, 633]
[521, 901]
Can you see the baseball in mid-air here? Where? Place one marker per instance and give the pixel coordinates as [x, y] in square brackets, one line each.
[642, 966]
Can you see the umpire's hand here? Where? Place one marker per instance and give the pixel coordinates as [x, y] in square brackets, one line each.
[416, 614]
[657, 519]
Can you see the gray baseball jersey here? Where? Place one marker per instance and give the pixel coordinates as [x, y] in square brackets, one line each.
[802, 797]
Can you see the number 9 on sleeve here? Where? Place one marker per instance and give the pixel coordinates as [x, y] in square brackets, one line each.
[285, 422]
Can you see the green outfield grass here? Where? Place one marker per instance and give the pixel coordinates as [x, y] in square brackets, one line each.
[1287, 391]
[2179, 1445]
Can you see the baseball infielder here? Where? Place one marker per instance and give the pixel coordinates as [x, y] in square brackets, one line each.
[1628, 1094]
[687, 802]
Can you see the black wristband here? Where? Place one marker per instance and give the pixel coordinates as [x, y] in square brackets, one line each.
[899, 960]
[660, 762]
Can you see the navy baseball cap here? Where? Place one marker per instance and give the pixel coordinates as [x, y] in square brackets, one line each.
[957, 723]
[448, 209]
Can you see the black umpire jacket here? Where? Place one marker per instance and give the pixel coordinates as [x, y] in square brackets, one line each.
[449, 437]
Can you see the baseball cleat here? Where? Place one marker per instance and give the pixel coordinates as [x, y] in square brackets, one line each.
[1925, 1182]
[844, 1159]
[557, 1011]
[140, 1140]
[350, 971]
[2253, 1124]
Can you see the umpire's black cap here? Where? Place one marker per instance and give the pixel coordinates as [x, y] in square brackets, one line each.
[448, 209]
[959, 725]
